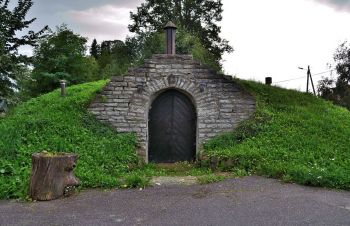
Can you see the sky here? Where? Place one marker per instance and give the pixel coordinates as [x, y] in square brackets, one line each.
[270, 37]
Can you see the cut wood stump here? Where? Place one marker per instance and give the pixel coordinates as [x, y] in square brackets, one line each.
[52, 174]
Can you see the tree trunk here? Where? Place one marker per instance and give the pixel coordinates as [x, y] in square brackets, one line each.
[51, 175]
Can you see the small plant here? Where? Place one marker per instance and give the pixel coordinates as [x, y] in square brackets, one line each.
[135, 181]
[210, 178]
[103, 99]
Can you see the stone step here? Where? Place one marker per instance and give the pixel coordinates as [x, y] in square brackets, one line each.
[171, 181]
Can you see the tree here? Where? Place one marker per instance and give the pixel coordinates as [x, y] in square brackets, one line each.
[61, 55]
[11, 61]
[122, 57]
[105, 57]
[146, 44]
[115, 57]
[197, 17]
[95, 49]
[338, 90]
[342, 57]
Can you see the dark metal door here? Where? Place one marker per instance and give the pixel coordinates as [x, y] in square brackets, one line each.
[172, 128]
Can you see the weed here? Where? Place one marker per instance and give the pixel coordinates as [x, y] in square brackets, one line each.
[210, 178]
[135, 180]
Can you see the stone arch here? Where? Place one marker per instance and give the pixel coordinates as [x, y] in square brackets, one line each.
[181, 84]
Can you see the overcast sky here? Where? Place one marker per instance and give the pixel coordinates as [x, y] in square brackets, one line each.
[270, 37]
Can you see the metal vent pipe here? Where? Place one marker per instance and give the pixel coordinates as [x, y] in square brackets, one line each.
[170, 30]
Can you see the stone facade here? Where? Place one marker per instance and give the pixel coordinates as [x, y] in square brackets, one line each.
[125, 101]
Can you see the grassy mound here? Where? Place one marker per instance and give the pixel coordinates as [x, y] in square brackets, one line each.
[52, 123]
[293, 136]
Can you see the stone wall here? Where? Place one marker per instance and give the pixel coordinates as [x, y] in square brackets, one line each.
[220, 102]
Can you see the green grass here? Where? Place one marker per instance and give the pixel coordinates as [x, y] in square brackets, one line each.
[55, 124]
[211, 178]
[292, 136]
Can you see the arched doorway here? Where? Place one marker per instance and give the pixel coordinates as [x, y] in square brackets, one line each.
[172, 128]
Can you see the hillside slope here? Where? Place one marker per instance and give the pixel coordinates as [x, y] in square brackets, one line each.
[293, 136]
[53, 123]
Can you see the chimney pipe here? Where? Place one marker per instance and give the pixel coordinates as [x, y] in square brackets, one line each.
[170, 30]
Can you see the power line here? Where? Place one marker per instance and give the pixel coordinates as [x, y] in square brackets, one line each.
[323, 72]
[289, 80]
[292, 79]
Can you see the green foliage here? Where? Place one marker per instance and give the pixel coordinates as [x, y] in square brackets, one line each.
[338, 90]
[210, 178]
[55, 124]
[11, 62]
[135, 180]
[113, 57]
[61, 55]
[95, 49]
[292, 136]
[190, 44]
[22, 73]
[197, 17]
[147, 44]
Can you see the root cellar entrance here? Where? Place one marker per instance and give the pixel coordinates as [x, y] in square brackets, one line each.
[172, 128]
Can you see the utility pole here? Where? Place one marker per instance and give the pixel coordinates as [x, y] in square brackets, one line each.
[309, 78]
[312, 83]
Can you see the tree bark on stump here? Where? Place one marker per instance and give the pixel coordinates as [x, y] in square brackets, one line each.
[51, 175]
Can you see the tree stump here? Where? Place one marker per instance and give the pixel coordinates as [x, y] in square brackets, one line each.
[51, 175]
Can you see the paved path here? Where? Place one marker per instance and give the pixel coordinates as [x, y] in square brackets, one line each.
[245, 201]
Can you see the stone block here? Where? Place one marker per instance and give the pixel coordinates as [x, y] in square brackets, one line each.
[117, 78]
[162, 66]
[177, 66]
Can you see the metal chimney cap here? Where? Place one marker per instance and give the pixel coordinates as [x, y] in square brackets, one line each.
[170, 24]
